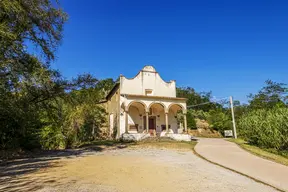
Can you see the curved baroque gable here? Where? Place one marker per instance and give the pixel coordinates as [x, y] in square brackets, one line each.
[148, 80]
[149, 68]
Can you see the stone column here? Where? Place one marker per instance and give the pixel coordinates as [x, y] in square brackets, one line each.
[141, 124]
[126, 121]
[147, 121]
[185, 122]
[166, 121]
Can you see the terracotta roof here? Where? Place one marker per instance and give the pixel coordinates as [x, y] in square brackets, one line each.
[155, 97]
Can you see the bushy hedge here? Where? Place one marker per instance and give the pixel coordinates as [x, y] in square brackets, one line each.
[219, 120]
[265, 128]
[191, 123]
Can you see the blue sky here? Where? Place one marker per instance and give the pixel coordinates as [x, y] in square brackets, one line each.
[228, 47]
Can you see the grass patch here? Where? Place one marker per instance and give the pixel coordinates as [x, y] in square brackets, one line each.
[155, 142]
[270, 154]
[108, 143]
[165, 143]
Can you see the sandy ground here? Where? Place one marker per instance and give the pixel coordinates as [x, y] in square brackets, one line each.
[129, 169]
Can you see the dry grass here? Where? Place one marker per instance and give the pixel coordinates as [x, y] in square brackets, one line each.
[154, 142]
[261, 152]
[164, 143]
[206, 133]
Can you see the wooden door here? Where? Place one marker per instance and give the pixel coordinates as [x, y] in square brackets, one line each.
[152, 123]
[144, 120]
[152, 126]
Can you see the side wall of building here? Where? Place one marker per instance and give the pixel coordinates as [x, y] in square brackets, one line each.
[113, 113]
[122, 116]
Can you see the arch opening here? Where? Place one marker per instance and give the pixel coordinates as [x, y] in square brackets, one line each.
[136, 111]
[176, 117]
[156, 119]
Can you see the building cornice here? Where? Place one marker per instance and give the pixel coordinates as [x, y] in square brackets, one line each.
[154, 97]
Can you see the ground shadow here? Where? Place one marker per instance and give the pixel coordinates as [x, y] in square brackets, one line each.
[12, 172]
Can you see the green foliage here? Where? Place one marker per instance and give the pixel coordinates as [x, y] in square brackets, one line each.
[37, 106]
[75, 118]
[105, 86]
[219, 120]
[194, 98]
[202, 108]
[191, 123]
[25, 23]
[270, 96]
[240, 110]
[27, 84]
[22, 99]
[266, 128]
[264, 121]
[52, 137]
[198, 114]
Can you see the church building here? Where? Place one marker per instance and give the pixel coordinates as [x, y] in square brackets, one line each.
[144, 106]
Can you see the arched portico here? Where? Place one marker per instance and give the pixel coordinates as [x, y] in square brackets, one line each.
[155, 118]
[144, 114]
[178, 105]
[157, 103]
[133, 103]
[177, 117]
[134, 116]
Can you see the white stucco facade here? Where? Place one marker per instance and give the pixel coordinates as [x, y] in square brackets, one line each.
[148, 105]
[147, 79]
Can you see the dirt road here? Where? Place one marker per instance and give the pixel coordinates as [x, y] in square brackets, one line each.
[130, 169]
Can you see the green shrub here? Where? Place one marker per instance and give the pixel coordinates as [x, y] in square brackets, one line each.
[219, 120]
[265, 128]
[52, 138]
[191, 123]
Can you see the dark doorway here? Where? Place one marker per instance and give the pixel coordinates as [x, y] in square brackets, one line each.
[151, 124]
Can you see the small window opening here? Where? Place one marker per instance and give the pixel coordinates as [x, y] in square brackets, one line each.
[148, 92]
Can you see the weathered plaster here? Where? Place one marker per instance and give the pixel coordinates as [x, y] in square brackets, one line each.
[130, 99]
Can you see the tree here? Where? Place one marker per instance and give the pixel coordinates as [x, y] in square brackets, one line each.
[194, 98]
[204, 109]
[264, 121]
[191, 123]
[105, 86]
[75, 118]
[25, 23]
[271, 95]
[27, 84]
[219, 120]
[37, 106]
